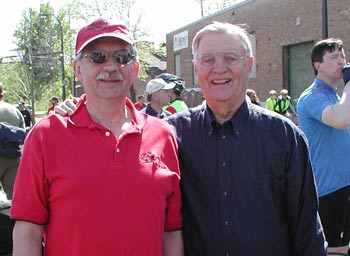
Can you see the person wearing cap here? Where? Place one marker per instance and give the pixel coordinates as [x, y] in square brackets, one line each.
[239, 198]
[284, 105]
[324, 116]
[113, 188]
[271, 101]
[176, 102]
[158, 95]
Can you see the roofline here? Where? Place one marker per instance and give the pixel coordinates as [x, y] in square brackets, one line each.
[244, 2]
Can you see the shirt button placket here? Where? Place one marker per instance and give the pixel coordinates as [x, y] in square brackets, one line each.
[224, 144]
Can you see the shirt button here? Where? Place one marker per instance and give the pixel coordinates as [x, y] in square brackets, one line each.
[226, 223]
[224, 193]
[117, 150]
[223, 137]
[107, 133]
[223, 164]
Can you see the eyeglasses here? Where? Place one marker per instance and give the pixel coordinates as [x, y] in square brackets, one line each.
[122, 57]
[229, 58]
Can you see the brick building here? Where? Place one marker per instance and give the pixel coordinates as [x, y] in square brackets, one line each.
[282, 34]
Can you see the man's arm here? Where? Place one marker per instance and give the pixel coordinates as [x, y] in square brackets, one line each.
[27, 238]
[301, 201]
[338, 115]
[172, 244]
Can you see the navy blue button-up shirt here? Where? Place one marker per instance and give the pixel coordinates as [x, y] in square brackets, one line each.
[247, 185]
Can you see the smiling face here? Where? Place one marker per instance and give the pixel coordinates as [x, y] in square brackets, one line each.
[109, 80]
[225, 80]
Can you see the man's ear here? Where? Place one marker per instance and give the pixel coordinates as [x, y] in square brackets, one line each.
[250, 63]
[76, 69]
[194, 67]
[317, 65]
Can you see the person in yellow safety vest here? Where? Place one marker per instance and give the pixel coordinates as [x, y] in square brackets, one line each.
[283, 104]
[176, 102]
[271, 101]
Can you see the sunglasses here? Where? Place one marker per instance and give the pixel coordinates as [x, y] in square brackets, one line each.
[122, 57]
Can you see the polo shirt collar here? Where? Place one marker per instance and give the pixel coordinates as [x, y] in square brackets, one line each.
[81, 117]
[322, 85]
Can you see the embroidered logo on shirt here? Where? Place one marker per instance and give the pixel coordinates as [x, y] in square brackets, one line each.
[151, 158]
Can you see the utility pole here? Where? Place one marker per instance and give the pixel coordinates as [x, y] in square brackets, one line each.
[63, 74]
[202, 11]
[30, 51]
[324, 19]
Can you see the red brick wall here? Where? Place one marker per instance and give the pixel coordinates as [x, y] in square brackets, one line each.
[274, 24]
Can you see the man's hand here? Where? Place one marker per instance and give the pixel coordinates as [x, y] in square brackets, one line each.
[346, 73]
[66, 108]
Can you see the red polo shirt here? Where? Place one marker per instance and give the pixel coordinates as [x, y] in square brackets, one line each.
[97, 195]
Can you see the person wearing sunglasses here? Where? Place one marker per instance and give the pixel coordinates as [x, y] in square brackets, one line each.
[246, 178]
[113, 189]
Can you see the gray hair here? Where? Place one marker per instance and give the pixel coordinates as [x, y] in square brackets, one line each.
[220, 27]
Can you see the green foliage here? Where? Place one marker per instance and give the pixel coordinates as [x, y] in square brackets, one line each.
[14, 85]
[36, 74]
[37, 71]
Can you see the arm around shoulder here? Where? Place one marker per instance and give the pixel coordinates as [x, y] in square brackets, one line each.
[27, 238]
[173, 244]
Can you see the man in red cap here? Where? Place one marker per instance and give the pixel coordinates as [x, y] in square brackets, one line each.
[126, 203]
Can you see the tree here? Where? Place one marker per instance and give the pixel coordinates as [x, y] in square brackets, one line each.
[39, 47]
[38, 40]
[208, 7]
[124, 10]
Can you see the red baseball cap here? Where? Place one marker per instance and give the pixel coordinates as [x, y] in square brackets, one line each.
[102, 28]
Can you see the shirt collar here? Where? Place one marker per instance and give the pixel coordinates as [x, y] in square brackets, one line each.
[150, 110]
[322, 85]
[81, 117]
[237, 121]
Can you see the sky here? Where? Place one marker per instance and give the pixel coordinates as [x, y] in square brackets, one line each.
[162, 17]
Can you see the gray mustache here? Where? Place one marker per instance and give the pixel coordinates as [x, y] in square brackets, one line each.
[109, 75]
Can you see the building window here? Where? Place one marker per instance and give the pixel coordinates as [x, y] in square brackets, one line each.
[180, 40]
[253, 42]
